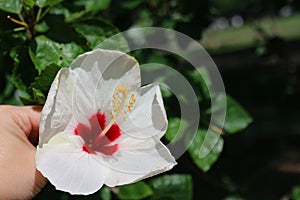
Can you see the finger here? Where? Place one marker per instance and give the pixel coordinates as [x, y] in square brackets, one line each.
[25, 118]
[33, 114]
[32, 118]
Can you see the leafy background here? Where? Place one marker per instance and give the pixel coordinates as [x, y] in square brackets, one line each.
[257, 58]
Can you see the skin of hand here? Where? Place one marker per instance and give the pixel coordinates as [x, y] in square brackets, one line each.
[19, 129]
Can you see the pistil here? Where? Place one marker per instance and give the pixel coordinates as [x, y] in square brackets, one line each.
[119, 98]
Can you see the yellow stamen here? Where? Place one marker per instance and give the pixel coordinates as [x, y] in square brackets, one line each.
[119, 99]
[130, 104]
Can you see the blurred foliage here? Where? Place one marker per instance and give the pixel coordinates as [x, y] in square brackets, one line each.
[38, 37]
[295, 194]
[135, 191]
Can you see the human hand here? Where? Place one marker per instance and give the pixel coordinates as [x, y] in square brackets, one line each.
[19, 129]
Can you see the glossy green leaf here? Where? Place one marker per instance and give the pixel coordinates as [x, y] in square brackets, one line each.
[205, 149]
[134, 191]
[105, 193]
[11, 6]
[176, 129]
[172, 187]
[44, 52]
[96, 31]
[43, 3]
[237, 118]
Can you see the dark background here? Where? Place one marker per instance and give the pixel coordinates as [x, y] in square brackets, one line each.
[259, 61]
[256, 46]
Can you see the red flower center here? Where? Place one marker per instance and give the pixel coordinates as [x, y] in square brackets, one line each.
[93, 142]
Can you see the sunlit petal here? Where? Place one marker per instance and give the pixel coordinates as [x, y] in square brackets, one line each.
[148, 117]
[69, 168]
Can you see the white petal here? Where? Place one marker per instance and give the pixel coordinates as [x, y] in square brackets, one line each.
[57, 111]
[137, 159]
[68, 168]
[83, 102]
[115, 69]
[148, 117]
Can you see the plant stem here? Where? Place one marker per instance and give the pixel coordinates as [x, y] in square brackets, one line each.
[22, 19]
[19, 29]
[26, 26]
[38, 15]
[17, 21]
[43, 14]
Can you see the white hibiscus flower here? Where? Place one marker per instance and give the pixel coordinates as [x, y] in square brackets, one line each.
[99, 126]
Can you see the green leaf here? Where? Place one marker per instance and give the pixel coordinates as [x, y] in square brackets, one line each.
[173, 187]
[105, 193]
[66, 14]
[43, 3]
[38, 96]
[176, 129]
[29, 4]
[11, 6]
[44, 52]
[205, 149]
[44, 80]
[134, 191]
[158, 58]
[17, 80]
[96, 31]
[237, 118]
[202, 79]
[42, 27]
[27, 100]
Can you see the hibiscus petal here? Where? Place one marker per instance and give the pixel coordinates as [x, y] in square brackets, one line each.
[83, 101]
[68, 168]
[57, 111]
[115, 69]
[148, 117]
[137, 159]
